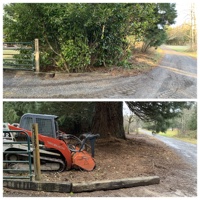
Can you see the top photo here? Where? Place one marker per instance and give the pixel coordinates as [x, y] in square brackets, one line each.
[100, 50]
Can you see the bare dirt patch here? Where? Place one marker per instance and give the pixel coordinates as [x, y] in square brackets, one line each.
[139, 155]
[118, 158]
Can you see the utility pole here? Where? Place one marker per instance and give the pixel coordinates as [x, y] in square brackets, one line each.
[193, 27]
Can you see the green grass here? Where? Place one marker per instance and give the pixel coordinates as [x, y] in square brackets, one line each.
[189, 140]
[170, 133]
[183, 49]
[174, 134]
[179, 48]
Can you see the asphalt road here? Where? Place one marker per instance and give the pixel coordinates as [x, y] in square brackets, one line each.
[174, 78]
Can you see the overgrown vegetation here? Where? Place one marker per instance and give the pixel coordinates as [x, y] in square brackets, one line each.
[74, 37]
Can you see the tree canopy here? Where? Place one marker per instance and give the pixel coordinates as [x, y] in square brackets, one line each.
[75, 36]
[159, 114]
[105, 118]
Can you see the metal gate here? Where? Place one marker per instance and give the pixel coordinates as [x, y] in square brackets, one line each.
[18, 56]
[10, 154]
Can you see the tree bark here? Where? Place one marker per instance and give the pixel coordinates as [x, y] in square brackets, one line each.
[108, 120]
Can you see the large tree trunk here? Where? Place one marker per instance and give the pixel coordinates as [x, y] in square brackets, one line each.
[108, 119]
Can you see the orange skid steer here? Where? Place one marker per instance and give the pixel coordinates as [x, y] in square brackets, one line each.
[58, 151]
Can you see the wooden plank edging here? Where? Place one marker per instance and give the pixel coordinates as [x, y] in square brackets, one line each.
[114, 184]
[67, 187]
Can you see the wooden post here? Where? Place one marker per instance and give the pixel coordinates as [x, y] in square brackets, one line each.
[36, 152]
[37, 56]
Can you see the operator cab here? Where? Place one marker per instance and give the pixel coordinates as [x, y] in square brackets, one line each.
[47, 124]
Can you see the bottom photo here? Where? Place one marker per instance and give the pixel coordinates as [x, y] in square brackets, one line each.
[99, 149]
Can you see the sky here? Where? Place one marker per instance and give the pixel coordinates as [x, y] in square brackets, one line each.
[126, 110]
[183, 11]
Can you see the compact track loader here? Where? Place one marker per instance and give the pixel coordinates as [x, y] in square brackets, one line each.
[58, 151]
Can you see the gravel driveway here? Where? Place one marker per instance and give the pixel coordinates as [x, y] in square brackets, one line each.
[187, 150]
[175, 77]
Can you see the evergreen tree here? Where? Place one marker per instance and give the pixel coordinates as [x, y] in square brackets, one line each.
[105, 118]
[193, 119]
